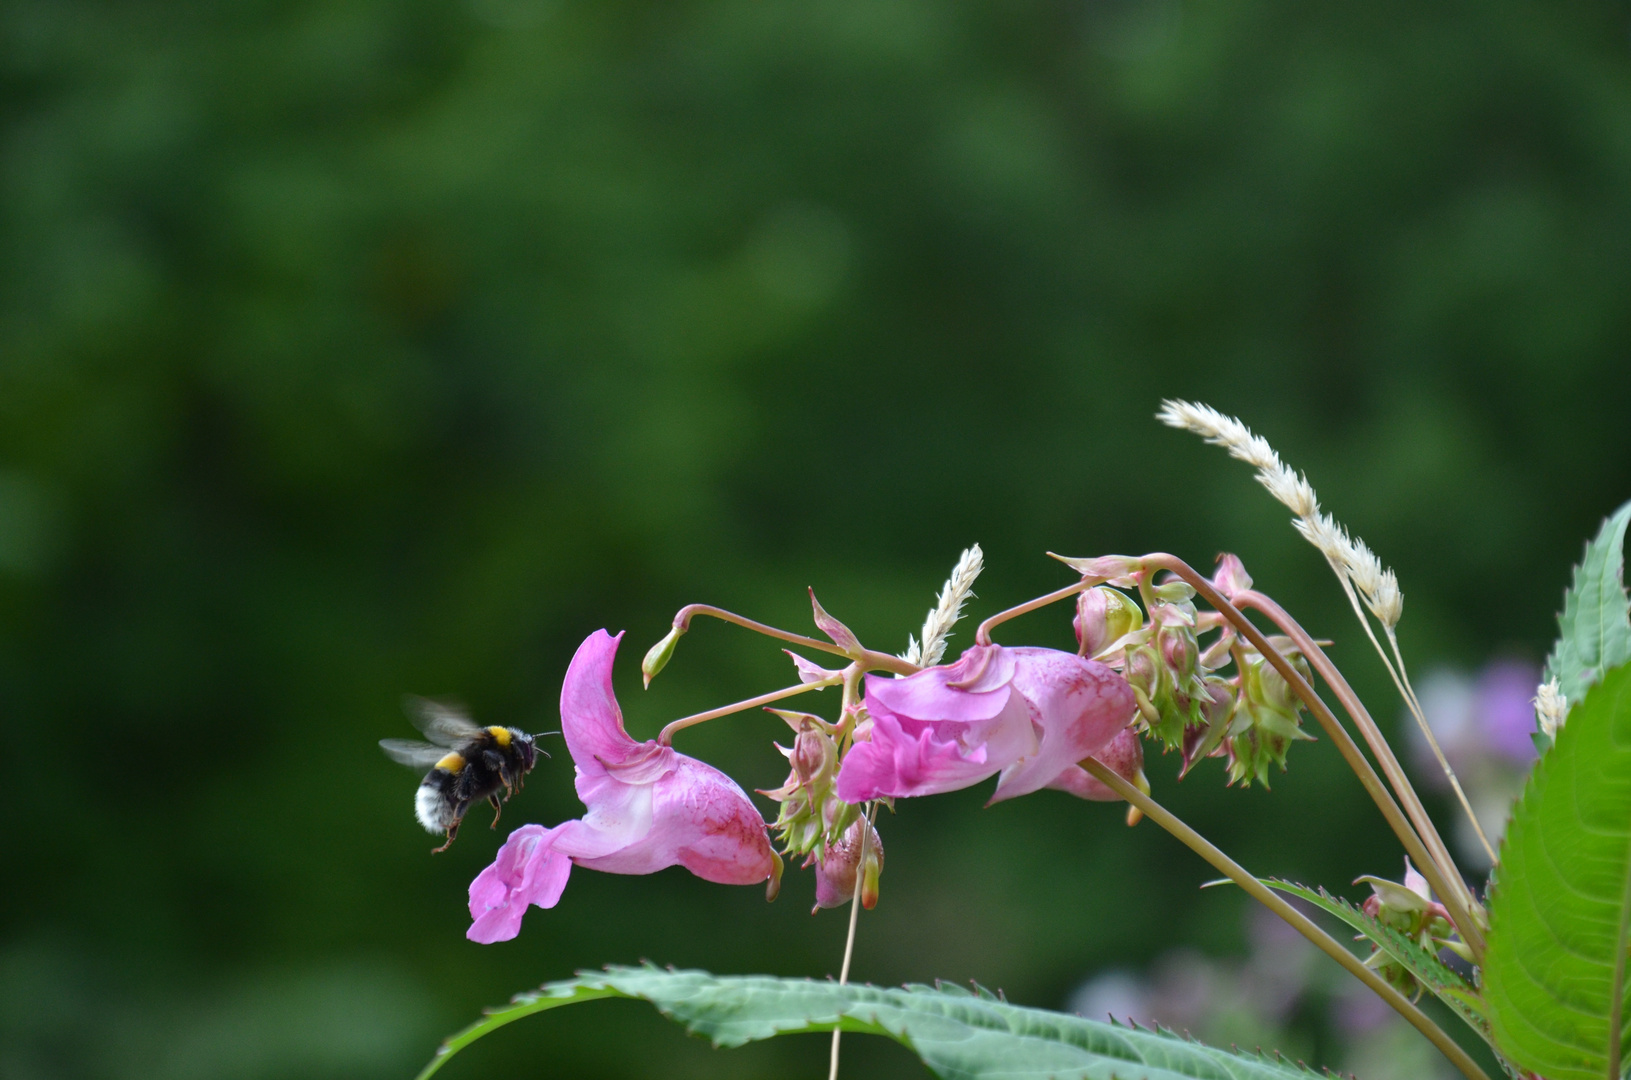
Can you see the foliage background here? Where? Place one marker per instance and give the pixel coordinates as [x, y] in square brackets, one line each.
[353, 348]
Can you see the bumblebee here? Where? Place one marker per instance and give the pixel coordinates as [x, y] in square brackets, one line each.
[467, 764]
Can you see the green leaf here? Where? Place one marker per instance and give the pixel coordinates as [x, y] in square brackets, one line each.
[1437, 976]
[1595, 627]
[1554, 973]
[958, 1034]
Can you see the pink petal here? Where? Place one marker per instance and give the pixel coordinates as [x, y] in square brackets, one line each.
[1124, 754]
[840, 634]
[974, 688]
[695, 817]
[1078, 704]
[809, 672]
[907, 757]
[590, 718]
[527, 871]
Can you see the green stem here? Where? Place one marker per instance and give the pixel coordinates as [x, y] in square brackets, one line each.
[666, 736]
[1451, 887]
[982, 636]
[1430, 867]
[1300, 922]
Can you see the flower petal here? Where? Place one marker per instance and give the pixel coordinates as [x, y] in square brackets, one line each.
[527, 871]
[590, 718]
[1078, 704]
[1124, 754]
[974, 688]
[699, 819]
[907, 757]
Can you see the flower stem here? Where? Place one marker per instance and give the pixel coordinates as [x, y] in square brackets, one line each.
[855, 897]
[682, 622]
[1300, 922]
[1438, 873]
[666, 736]
[982, 636]
[872, 661]
[1457, 897]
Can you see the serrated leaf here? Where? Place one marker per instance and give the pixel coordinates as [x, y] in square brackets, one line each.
[1594, 631]
[957, 1033]
[1444, 981]
[1554, 972]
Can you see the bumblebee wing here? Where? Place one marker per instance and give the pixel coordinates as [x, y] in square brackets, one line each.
[416, 755]
[442, 724]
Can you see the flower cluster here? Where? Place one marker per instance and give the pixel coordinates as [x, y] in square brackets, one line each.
[1251, 717]
[1031, 718]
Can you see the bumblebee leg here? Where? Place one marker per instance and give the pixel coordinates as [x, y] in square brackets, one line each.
[498, 809]
[452, 834]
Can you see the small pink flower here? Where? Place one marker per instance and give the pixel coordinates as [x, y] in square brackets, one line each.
[650, 807]
[1025, 713]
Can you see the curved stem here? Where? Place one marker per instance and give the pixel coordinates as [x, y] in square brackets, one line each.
[682, 623]
[1431, 868]
[872, 661]
[982, 636]
[666, 736]
[1300, 922]
[1453, 887]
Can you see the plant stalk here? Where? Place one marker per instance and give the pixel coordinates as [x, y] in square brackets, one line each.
[1452, 886]
[1300, 922]
[1455, 896]
[666, 736]
[874, 661]
[982, 636]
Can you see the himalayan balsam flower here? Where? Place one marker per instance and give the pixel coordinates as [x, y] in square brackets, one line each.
[1028, 714]
[650, 807]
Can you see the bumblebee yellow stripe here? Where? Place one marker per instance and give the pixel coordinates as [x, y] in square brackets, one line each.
[500, 735]
[451, 762]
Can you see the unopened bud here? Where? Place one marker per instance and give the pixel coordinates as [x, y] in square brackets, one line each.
[773, 887]
[1178, 650]
[658, 655]
[1231, 576]
[814, 757]
[843, 859]
[1174, 592]
[1143, 670]
[1111, 569]
[1103, 617]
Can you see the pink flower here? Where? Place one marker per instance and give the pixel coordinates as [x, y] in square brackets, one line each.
[1124, 754]
[650, 807]
[1025, 713]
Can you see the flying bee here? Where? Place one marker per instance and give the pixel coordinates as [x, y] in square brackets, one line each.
[467, 764]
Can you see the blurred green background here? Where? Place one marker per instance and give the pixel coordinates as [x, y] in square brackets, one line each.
[353, 348]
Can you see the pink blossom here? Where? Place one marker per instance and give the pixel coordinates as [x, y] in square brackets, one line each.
[1025, 713]
[650, 807]
[1124, 755]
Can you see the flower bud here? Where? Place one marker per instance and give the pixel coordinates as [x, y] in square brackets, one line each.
[659, 654]
[1267, 721]
[1231, 576]
[1103, 617]
[1110, 569]
[842, 860]
[1174, 592]
[773, 886]
[1178, 650]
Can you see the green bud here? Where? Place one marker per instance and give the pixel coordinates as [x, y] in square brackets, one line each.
[658, 656]
[1103, 617]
